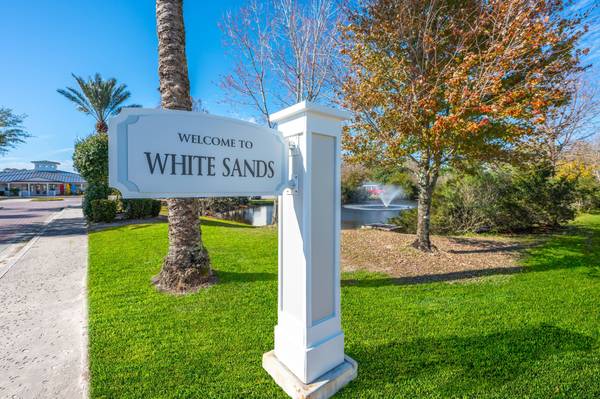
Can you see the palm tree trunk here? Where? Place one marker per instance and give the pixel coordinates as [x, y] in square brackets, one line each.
[101, 127]
[187, 265]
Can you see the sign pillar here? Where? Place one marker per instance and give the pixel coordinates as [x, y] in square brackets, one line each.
[308, 360]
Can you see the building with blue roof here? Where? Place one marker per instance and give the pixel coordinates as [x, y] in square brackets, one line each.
[43, 180]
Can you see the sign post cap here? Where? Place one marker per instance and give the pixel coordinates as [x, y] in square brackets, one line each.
[306, 107]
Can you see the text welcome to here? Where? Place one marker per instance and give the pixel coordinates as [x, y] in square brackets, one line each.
[204, 165]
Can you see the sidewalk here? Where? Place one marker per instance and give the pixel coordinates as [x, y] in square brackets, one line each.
[43, 315]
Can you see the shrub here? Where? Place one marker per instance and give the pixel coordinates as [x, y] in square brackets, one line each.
[93, 192]
[213, 206]
[587, 185]
[140, 208]
[466, 203]
[537, 198]
[505, 199]
[352, 178]
[155, 210]
[103, 210]
[90, 158]
[406, 221]
[587, 194]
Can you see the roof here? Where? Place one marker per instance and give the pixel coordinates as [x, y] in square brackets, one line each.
[46, 176]
[53, 162]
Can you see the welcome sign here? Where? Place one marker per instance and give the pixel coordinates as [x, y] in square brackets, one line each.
[175, 154]
[171, 154]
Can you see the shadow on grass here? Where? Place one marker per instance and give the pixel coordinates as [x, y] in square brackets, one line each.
[488, 246]
[237, 277]
[220, 223]
[574, 247]
[464, 364]
[430, 278]
[143, 223]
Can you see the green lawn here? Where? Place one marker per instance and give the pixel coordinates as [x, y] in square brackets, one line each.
[261, 202]
[43, 199]
[534, 334]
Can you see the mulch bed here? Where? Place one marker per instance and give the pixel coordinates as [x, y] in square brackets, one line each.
[455, 258]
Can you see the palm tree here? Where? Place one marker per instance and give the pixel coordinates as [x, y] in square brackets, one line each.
[187, 264]
[98, 97]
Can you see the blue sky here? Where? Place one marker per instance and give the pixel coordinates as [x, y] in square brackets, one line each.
[44, 41]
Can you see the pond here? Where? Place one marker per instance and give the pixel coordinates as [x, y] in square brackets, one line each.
[356, 215]
[259, 215]
[353, 215]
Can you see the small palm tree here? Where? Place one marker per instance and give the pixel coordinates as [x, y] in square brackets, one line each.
[98, 97]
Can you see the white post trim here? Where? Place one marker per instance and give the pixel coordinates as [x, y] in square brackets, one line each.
[308, 337]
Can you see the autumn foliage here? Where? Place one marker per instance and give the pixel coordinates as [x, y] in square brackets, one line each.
[443, 82]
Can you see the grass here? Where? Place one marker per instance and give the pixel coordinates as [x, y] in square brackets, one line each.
[44, 199]
[535, 334]
[258, 202]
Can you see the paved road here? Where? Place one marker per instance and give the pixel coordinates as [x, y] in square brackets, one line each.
[43, 315]
[20, 219]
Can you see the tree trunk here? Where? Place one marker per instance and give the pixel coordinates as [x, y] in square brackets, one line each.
[426, 185]
[274, 219]
[101, 127]
[187, 265]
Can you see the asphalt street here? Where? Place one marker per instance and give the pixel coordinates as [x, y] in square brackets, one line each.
[22, 218]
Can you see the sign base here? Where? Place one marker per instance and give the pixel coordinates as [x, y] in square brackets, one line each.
[323, 387]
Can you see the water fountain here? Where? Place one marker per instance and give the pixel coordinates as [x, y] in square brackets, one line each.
[390, 202]
[388, 194]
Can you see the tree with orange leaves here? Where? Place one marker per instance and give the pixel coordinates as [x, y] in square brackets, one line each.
[443, 82]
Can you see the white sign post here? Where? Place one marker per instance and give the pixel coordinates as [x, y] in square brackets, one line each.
[308, 360]
[173, 154]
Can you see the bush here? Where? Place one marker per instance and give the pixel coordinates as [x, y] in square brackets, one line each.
[213, 206]
[90, 158]
[506, 199]
[587, 195]
[155, 209]
[93, 192]
[587, 185]
[140, 208]
[103, 210]
[534, 197]
[406, 221]
[467, 203]
[352, 179]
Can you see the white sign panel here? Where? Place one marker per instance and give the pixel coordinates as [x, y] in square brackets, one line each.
[174, 154]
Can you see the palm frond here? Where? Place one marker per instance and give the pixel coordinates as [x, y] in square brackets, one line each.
[97, 97]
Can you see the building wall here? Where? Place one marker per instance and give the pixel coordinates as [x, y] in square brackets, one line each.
[40, 189]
